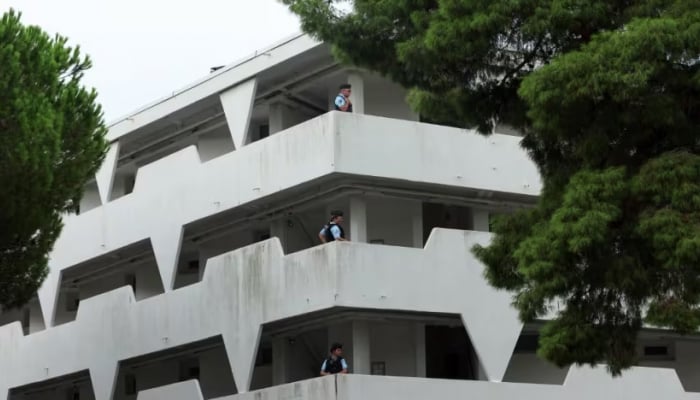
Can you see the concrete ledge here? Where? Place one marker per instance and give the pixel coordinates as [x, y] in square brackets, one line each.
[313, 389]
[161, 173]
[105, 303]
[187, 390]
[637, 383]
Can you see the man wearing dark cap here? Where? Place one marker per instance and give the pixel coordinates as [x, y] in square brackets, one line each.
[335, 363]
[342, 100]
[333, 231]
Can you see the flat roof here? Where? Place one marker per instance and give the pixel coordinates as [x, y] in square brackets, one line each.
[212, 84]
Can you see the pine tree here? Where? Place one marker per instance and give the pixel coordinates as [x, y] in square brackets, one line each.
[606, 94]
[51, 144]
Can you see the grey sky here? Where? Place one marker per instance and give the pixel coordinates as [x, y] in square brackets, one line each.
[144, 50]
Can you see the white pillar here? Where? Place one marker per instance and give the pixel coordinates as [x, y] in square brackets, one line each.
[357, 97]
[279, 230]
[279, 360]
[277, 117]
[420, 349]
[360, 348]
[480, 220]
[358, 219]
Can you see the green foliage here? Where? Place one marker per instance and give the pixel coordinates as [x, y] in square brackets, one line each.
[51, 144]
[607, 95]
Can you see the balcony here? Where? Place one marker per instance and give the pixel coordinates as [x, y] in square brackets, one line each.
[258, 295]
[327, 153]
[258, 285]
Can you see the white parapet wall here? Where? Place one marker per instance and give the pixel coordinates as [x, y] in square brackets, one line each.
[581, 384]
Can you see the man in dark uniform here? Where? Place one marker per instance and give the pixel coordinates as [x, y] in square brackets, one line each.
[333, 231]
[335, 363]
[342, 100]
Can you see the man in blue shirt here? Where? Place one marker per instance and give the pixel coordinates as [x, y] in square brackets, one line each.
[333, 230]
[335, 364]
[342, 100]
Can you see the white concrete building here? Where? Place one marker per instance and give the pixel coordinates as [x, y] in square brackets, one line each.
[194, 271]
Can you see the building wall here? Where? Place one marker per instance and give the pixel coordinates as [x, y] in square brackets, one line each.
[306, 354]
[148, 281]
[385, 98]
[91, 198]
[395, 345]
[215, 374]
[687, 354]
[148, 284]
[214, 144]
[35, 322]
[528, 368]
[392, 220]
[262, 377]
[282, 116]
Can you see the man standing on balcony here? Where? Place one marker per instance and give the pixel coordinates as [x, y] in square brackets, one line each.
[342, 100]
[335, 364]
[333, 231]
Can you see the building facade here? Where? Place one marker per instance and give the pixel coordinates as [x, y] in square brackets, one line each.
[193, 269]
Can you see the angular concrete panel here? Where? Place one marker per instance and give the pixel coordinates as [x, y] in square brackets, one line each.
[105, 175]
[241, 349]
[491, 321]
[104, 378]
[48, 295]
[238, 106]
[166, 248]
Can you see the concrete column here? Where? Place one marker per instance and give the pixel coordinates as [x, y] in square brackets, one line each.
[418, 227]
[420, 349]
[358, 92]
[358, 219]
[279, 360]
[278, 229]
[277, 117]
[360, 348]
[480, 220]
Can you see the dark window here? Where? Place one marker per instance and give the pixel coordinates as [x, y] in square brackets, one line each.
[655, 350]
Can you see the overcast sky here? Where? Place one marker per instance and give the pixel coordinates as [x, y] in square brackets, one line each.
[144, 50]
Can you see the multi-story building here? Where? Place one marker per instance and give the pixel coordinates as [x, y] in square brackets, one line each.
[194, 270]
